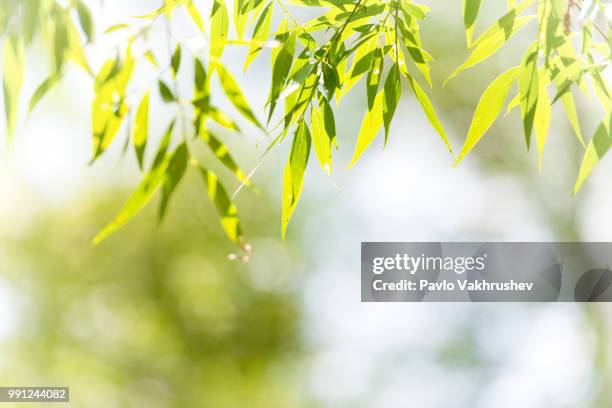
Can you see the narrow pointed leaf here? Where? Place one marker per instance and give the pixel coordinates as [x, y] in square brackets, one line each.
[488, 109]
[234, 94]
[293, 177]
[141, 129]
[372, 122]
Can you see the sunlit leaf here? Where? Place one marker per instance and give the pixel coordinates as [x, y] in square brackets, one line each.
[172, 177]
[542, 121]
[596, 149]
[528, 89]
[85, 19]
[227, 210]
[470, 14]
[13, 66]
[42, 90]
[293, 177]
[488, 109]
[141, 129]
[321, 139]
[234, 93]
[372, 122]
[393, 91]
[219, 26]
[260, 33]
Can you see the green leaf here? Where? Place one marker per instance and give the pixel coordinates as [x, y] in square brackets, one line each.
[85, 19]
[42, 90]
[488, 109]
[260, 33]
[470, 14]
[542, 121]
[109, 107]
[528, 89]
[234, 93]
[282, 59]
[227, 210]
[13, 66]
[321, 139]
[141, 129]
[219, 26]
[145, 191]
[430, 111]
[491, 44]
[393, 92]
[195, 15]
[176, 60]
[595, 151]
[221, 151]
[372, 122]
[165, 92]
[173, 176]
[293, 178]
[374, 75]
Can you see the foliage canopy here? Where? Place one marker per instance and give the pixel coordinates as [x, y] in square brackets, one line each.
[314, 64]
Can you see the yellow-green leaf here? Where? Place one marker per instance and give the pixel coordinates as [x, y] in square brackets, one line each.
[470, 13]
[234, 93]
[260, 33]
[219, 26]
[172, 177]
[491, 45]
[596, 149]
[13, 65]
[321, 140]
[221, 151]
[529, 86]
[542, 121]
[293, 177]
[372, 122]
[488, 109]
[141, 129]
[227, 210]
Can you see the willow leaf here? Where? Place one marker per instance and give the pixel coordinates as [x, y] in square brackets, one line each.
[542, 121]
[293, 177]
[528, 89]
[234, 94]
[260, 33]
[372, 122]
[596, 149]
[141, 129]
[470, 14]
[13, 65]
[172, 177]
[321, 139]
[488, 109]
[219, 27]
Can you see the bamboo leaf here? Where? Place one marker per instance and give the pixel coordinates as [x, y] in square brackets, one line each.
[234, 93]
[42, 90]
[222, 153]
[528, 89]
[470, 14]
[85, 19]
[141, 129]
[542, 121]
[227, 210]
[13, 66]
[219, 26]
[293, 177]
[595, 151]
[260, 33]
[372, 122]
[176, 60]
[166, 94]
[321, 139]
[393, 91]
[172, 177]
[488, 109]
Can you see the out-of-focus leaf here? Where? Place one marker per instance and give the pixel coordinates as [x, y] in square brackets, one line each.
[374, 75]
[85, 19]
[596, 149]
[470, 14]
[165, 92]
[529, 87]
[488, 109]
[42, 90]
[13, 66]
[109, 107]
[176, 60]
[219, 26]
[141, 129]
[293, 178]
[195, 14]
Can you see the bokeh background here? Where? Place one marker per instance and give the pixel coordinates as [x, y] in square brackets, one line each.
[157, 315]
